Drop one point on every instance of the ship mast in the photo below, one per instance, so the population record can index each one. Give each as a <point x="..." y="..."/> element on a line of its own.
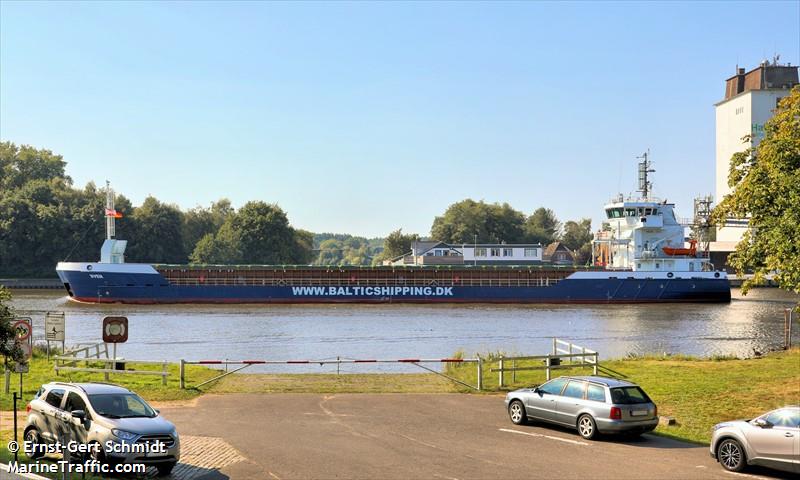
<point x="110" y="214"/>
<point x="645" y="186"/>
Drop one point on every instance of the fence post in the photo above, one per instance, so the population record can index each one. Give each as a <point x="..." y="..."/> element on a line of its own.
<point x="501" y="371"/>
<point x="555" y="347"/>
<point x="480" y="373"/>
<point x="547" y="362"/>
<point x="164" y="371"/>
<point x="583" y="359"/>
<point x="595" y="363"/>
<point x="570" y="354"/>
<point x="513" y="372"/>
<point x="182" y="369"/>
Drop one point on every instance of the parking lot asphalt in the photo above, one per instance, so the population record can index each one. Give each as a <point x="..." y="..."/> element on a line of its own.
<point x="437" y="436"/>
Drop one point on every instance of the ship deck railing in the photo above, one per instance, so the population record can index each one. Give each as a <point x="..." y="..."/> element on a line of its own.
<point x="370" y="282"/>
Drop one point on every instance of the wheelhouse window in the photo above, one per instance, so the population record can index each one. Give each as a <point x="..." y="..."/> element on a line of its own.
<point x="614" y="212"/>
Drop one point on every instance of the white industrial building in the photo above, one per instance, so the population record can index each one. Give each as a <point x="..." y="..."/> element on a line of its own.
<point x="750" y="100"/>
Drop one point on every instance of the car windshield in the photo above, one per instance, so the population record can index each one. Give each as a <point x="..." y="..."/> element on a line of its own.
<point x="121" y="405"/>
<point x="628" y="395"/>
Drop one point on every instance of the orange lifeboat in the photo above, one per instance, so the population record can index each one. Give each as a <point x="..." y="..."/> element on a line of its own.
<point x="691" y="251"/>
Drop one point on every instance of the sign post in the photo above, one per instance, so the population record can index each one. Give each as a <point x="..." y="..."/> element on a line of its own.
<point x="23" y="328"/>
<point x="115" y="330"/>
<point x="54" y="330"/>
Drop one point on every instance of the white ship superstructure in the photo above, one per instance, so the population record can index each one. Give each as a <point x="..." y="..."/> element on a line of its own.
<point x="643" y="234"/>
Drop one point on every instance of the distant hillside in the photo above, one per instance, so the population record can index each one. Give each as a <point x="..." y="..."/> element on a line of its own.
<point x="345" y="249"/>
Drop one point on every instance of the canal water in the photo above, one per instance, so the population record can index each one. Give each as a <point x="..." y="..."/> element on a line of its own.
<point x="749" y="324"/>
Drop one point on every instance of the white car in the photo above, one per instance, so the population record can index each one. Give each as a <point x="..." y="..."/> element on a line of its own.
<point x="771" y="440"/>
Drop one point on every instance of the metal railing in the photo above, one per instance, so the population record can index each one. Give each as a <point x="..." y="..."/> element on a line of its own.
<point x="378" y="282"/>
<point x="69" y="363"/>
<point x="552" y="361"/>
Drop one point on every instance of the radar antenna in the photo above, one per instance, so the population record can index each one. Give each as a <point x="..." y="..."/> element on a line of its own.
<point x="645" y="186"/>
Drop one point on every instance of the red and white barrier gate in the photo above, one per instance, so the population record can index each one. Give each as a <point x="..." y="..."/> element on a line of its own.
<point x="414" y="361"/>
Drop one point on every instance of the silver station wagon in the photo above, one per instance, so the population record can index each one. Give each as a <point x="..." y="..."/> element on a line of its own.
<point x="591" y="405"/>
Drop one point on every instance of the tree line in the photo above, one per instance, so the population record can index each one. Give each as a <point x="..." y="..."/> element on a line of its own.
<point x="45" y="219"/>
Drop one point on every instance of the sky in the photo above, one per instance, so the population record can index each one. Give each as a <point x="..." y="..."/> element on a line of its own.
<point x="367" y="117"/>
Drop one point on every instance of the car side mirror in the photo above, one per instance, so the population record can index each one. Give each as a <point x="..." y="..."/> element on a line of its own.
<point x="81" y="414"/>
<point x="760" y="422"/>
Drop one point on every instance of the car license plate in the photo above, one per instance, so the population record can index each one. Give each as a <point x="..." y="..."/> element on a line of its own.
<point x="638" y="413"/>
<point x="156" y="453"/>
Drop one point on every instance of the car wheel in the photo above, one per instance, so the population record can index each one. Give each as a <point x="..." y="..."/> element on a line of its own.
<point x="730" y="455"/>
<point x="517" y="413"/>
<point x="97" y="453"/>
<point x="165" y="469"/>
<point x="587" y="428"/>
<point x="32" y="438"/>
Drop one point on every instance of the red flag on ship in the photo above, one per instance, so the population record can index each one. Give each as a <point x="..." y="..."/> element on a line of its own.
<point x="113" y="213"/>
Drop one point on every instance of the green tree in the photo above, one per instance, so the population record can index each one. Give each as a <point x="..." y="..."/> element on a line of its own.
<point x="157" y="234"/>
<point x="304" y="246"/>
<point x="19" y="165"/>
<point x="396" y="244"/>
<point x="542" y="226"/>
<point x="218" y="248"/>
<point x="491" y="222"/>
<point x="766" y="189"/>
<point x="259" y="233"/>
<point x="578" y="238"/>
<point x="9" y="349"/>
<point x="199" y="222"/>
<point x="330" y="252"/>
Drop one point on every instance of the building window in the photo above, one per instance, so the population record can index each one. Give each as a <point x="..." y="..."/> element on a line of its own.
<point x="495" y="252"/>
<point x="480" y="252"/>
<point x="508" y="252"/>
<point x="438" y="253"/>
<point x="739" y="110"/>
<point x="530" y="252"/>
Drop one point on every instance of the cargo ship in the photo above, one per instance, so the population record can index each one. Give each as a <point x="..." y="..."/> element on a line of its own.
<point x="640" y="256"/>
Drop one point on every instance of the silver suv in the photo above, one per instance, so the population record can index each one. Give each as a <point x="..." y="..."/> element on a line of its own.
<point x="771" y="440"/>
<point x="109" y="422"/>
<point x="589" y="404"/>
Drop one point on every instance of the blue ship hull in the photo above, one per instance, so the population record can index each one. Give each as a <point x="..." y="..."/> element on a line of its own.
<point x="610" y="287"/>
